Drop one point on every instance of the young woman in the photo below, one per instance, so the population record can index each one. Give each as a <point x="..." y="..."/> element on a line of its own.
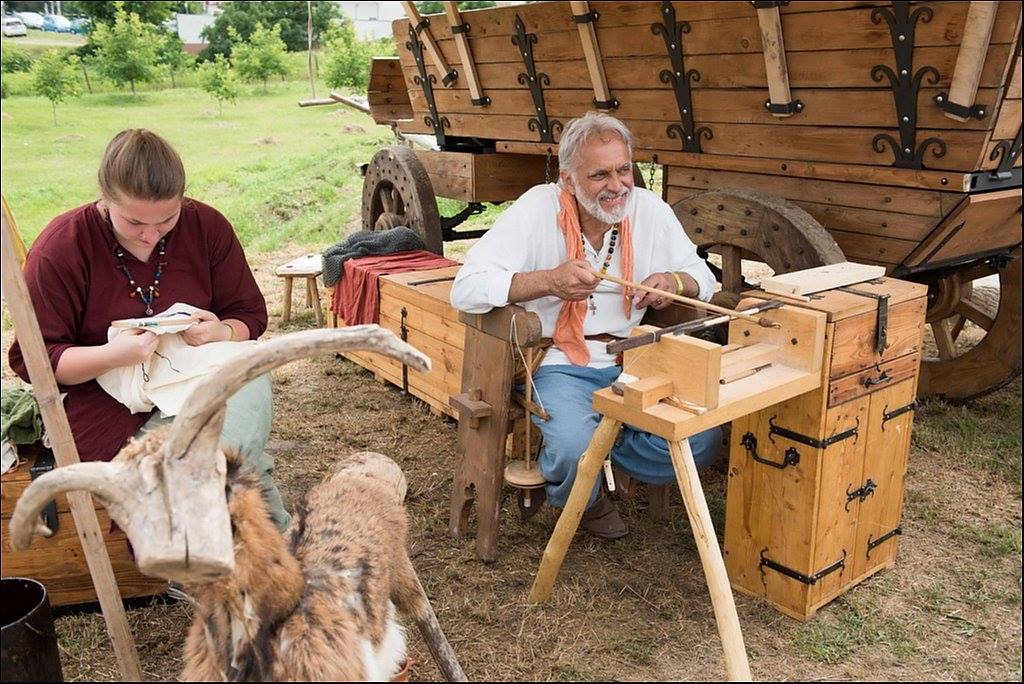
<point x="140" y="248"/>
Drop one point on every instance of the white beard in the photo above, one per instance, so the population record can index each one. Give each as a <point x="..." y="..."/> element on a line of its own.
<point x="592" y="205"/>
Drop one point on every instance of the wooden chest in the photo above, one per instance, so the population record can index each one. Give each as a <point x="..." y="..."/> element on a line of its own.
<point x="815" y="489"/>
<point x="59" y="562"/>
<point x="415" y="306"/>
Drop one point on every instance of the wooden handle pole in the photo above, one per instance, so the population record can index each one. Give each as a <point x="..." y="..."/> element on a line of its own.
<point x="462" y="45"/>
<point x="736" y="666"/>
<point x="774" y="57"/>
<point x="44" y="387"/>
<point x="565" y="529"/>
<point x="448" y="76"/>
<point x="963" y="87"/>
<point x="696" y="303"/>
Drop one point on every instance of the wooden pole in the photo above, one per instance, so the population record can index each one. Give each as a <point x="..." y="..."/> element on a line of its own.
<point x="689" y="301"/>
<point x="736" y="666"/>
<point x="448" y="76"/>
<point x="565" y="529"/>
<point x="774" y="58"/>
<point x="44" y="387"/>
<point x="309" y="43"/>
<point x="592" y="54"/>
<point x="981" y="16"/>
<point x="465" y="56"/>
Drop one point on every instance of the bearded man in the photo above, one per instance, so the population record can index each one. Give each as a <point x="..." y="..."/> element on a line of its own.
<point x="542" y="252"/>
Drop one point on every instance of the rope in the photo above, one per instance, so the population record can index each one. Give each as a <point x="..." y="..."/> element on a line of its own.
<point x="518" y="349"/>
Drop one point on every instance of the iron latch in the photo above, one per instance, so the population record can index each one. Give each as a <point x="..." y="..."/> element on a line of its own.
<point x="862" y="492"/>
<point x="872" y="543"/>
<point x="888" y="415"/>
<point x="790" y="458"/>
<point x="774" y="429"/>
<point x="882" y="323"/>
<point x="44" y="463"/>
<point x="767" y="562"/>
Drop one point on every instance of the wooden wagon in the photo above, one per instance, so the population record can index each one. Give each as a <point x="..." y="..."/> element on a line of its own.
<point x="793" y="134"/>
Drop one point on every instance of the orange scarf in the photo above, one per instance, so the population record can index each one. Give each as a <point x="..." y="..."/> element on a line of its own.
<point x="569" y="326"/>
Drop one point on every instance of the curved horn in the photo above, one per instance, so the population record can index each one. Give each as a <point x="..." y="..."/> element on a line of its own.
<point x="213" y="392"/>
<point x="99" y="478"/>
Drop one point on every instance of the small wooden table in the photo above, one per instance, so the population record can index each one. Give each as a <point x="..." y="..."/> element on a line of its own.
<point x="309" y="267"/>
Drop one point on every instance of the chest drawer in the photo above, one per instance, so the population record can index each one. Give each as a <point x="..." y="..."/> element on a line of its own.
<point x="872" y="379"/>
<point x="854" y="341"/>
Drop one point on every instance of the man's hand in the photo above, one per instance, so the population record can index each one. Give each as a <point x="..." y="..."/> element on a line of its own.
<point x="573" y="280"/>
<point x="132" y="346"/>
<point x="660" y="281"/>
<point x="209" y="329"/>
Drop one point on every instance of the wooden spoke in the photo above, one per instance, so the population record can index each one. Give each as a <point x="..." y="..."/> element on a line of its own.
<point x="958" y="327"/>
<point x="944" y="339"/>
<point x="397" y="191"/>
<point x="387" y="199"/>
<point x="732" y="267"/>
<point x="971" y="312"/>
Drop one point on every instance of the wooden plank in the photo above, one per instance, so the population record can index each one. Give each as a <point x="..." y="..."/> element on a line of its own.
<point x="821" y="278"/>
<point x="739" y="362"/>
<point x="979" y="223"/>
<point x="387" y="93"/>
<point x="433" y="50"/>
<point x="465" y="54"/>
<point x="839" y="305"/>
<point x="823" y="106"/>
<point x="873" y="249"/>
<point x="592" y="53"/>
<point x="859" y="384"/>
<point x="978" y="24"/>
<point x="1008" y="121"/>
<point x="1013" y="88"/>
<point x="886" y="450"/>
<point x="881" y="198"/>
<point x="772" y="42"/>
<point x="693" y="365"/>
<point x="853" y="347"/>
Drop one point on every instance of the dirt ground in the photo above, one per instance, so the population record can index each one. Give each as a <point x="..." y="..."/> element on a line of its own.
<point x="638" y="608"/>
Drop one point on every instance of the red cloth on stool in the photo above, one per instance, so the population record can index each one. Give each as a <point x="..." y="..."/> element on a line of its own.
<point x="356" y="297"/>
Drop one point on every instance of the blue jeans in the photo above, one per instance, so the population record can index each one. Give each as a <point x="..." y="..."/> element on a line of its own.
<point x="566" y="394"/>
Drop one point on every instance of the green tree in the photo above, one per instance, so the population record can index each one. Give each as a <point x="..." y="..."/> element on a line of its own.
<point x="437" y="7"/>
<point x="347" y="58"/>
<point x="218" y="79"/>
<point x="55" y="77"/>
<point x="126" y="51"/>
<point x="243" y="17"/>
<point x="261" y="56"/>
<point x="153" y="12"/>
<point x="171" y="55"/>
<point x="13" y="60"/>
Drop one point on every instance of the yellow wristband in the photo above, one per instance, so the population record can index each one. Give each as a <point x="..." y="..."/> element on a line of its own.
<point x="231" y="332"/>
<point x="679" y="282"/>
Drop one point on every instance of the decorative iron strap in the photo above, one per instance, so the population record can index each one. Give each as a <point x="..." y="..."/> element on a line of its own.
<point x="906" y="84"/>
<point x="888" y="415"/>
<point x="767" y="562"/>
<point x="881" y="316"/>
<point x="427" y="81"/>
<point x="862" y="492"/>
<point x="774" y="429"/>
<point x="790" y="458"/>
<point x="1008" y="152"/>
<point x="680" y="79"/>
<point x="872" y="543"/>
<point x="535" y="82"/>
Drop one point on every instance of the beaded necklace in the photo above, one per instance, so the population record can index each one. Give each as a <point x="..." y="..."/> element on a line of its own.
<point x="607" y="260"/>
<point x="134" y="289"/>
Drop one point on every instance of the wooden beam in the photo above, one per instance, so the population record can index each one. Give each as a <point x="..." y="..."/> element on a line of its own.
<point x="459" y="30"/>
<point x="592" y="54"/>
<point x="780" y="101"/>
<point x="44" y="387"/>
<point x="811" y="280"/>
<point x="422" y="27"/>
<point x="959" y="104"/>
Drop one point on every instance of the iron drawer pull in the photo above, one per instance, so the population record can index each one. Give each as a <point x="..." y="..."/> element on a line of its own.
<point x="880" y="380"/>
<point x="790" y="458"/>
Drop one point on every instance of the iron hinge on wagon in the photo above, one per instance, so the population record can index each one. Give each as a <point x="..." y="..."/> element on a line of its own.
<point x="535" y="82"/>
<point x="774" y="429"/>
<point x="680" y="79"/>
<point x="1008" y="152"/>
<point x="767" y="562"/>
<point x="906" y="85"/>
<point x="427" y="81"/>
<point x="977" y="111"/>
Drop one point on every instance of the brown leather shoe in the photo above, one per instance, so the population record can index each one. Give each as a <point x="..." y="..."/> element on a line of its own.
<point x="603" y="520"/>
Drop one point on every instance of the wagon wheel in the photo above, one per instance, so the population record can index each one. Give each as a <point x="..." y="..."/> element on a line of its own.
<point x="976" y="331"/>
<point x="397" y="192"/>
<point x="745" y="224"/>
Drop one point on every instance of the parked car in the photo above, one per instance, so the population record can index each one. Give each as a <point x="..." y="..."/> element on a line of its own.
<point x="32" y="20"/>
<point x="14" y="27"/>
<point x="55" y="22"/>
<point x="80" y="25"/>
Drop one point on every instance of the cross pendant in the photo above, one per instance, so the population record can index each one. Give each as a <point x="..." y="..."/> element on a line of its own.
<point x="592" y="306"/>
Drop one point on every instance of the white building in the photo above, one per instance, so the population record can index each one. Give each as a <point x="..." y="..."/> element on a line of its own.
<point x="372" y="20"/>
<point x="189" y="28"/>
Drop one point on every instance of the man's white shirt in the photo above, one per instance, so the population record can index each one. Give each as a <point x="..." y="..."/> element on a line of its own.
<point x="526" y="238"/>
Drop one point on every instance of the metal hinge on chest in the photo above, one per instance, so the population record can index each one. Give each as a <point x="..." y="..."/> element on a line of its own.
<point x="774" y="429"/>
<point x="44" y="464"/>
<point x="882" y="323"/>
<point x="767" y="562"/>
<point x="872" y="543"/>
<point x="404" y="330"/>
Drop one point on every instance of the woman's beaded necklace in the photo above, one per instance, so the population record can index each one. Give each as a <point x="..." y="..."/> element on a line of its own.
<point x="607" y="260"/>
<point x="153" y="291"/>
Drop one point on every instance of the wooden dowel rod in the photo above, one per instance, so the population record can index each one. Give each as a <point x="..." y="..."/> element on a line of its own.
<point x="448" y="76"/>
<point x="963" y="87"/>
<point x="462" y="45"/>
<point x="774" y="57"/>
<point x="44" y="387"/>
<point x="696" y="303"/>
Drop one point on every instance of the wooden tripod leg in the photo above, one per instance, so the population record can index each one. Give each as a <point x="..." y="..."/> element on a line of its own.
<point x="736" y="666"/>
<point x="586" y="474"/>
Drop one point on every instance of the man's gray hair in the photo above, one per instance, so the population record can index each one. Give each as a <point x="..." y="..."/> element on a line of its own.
<point x="582" y="129"/>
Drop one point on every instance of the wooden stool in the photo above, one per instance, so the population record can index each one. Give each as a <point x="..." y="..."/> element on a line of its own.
<point x="308" y="267"/>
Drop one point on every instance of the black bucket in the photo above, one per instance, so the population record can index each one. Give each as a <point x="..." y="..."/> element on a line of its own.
<point x="29" y="644"/>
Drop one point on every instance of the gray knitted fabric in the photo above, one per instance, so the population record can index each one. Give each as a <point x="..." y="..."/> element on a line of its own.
<point x="367" y="243"/>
